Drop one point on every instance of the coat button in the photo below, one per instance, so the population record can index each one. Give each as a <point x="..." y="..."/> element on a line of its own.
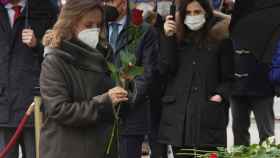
<point x="195" y="89"/>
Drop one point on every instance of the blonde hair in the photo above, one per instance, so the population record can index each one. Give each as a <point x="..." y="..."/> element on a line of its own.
<point x="71" y="13"/>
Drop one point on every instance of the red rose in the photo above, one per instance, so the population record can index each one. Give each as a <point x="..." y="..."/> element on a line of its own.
<point x="136" y="17"/>
<point x="213" y="155"/>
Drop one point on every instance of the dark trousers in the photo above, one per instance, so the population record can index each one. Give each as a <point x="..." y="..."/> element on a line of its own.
<point x="158" y="150"/>
<point x="264" y="115"/>
<point x="131" y="146"/>
<point x="26" y="141"/>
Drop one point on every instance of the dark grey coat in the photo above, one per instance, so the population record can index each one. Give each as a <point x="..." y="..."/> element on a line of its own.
<point x="19" y="65"/>
<point x="78" y="111"/>
<point x="194" y="74"/>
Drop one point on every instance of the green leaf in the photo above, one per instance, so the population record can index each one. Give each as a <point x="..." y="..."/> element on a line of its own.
<point x="135" y="71"/>
<point x="114" y="72"/>
<point x="267" y="150"/>
<point x="127" y="58"/>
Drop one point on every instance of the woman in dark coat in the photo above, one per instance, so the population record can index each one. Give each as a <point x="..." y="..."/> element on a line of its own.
<point x="197" y="63"/>
<point x="77" y="92"/>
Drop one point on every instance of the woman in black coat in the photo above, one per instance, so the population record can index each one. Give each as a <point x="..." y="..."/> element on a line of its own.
<point x="76" y="88"/>
<point x="197" y="63"/>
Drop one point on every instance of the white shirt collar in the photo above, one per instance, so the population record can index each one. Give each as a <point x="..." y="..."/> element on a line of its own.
<point x="10" y="6"/>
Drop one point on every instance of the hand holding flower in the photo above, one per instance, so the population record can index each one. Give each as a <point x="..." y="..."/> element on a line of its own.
<point x="117" y="95"/>
<point x="216" y="98"/>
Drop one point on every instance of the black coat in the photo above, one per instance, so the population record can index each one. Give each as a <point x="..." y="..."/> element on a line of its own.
<point x="78" y="111"/>
<point x="251" y="76"/>
<point x="261" y="13"/>
<point x="19" y="65"/>
<point x="253" y="54"/>
<point x="135" y="116"/>
<point x="195" y="74"/>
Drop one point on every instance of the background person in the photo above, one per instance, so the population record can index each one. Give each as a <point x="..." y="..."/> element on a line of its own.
<point x="198" y="64"/>
<point x="21" y="53"/>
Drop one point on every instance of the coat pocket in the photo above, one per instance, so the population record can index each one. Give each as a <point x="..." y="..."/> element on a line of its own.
<point x="166" y="100"/>
<point x="214" y="115"/>
<point x="168" y="108"/>
<point x="71" y="139"/>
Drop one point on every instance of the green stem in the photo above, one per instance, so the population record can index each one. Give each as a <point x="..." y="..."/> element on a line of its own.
<point x="188" y="154"/>
<point x="195" y="150"/>
<point x="111" y="139"/>
<point x="116" y="125"/>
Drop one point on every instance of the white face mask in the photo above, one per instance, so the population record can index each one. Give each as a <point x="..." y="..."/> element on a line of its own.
<point x="163" y="8"/>
<point x="196" y="22"/>
<point x="63" y="2"/>
<point x="90" y="36"/>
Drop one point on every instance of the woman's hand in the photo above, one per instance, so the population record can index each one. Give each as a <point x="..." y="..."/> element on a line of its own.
<point x="117" y="95"/>
<point x="216" y="98"/>
<point x="169" y="26"/>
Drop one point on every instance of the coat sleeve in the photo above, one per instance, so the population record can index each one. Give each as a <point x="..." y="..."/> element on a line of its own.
<point x="168" y="60"/>
<point x="226" y="66"/>
<point x="59" y="104"/>
<point x="274" y="73"/>
<point x="40" y="31"/>
<point x="168" y="55"/>
<point x="148" y="59"/>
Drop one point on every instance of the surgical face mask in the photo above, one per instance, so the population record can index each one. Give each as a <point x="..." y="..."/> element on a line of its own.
<point x="196" y="22"/>
<point x="163" y="8"/>
<point x="146" y="8"/>
<point x="90" y="37"/>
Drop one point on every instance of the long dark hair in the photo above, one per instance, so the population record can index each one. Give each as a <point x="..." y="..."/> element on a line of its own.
<point x="184" y="33"/>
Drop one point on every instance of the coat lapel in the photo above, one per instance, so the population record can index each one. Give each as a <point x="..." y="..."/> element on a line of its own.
<point x="124" y="39"/>
<point x="12" y="33"/>
<point x="18" y="27"/>
<point x="5" y="25"/>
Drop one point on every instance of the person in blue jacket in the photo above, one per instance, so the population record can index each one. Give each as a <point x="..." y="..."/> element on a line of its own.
<point x="274" y="74"/>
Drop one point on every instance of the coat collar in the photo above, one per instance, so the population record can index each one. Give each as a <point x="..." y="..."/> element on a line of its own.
<point x="80" y="55"/>
<point x="12" y="33"/>
<point x="22" y="3"/>
<point x="4" y="20"/>
<point x="123" y="39"/>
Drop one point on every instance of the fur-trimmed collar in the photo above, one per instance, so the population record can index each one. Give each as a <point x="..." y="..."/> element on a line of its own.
<point x="220" y="30"/>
